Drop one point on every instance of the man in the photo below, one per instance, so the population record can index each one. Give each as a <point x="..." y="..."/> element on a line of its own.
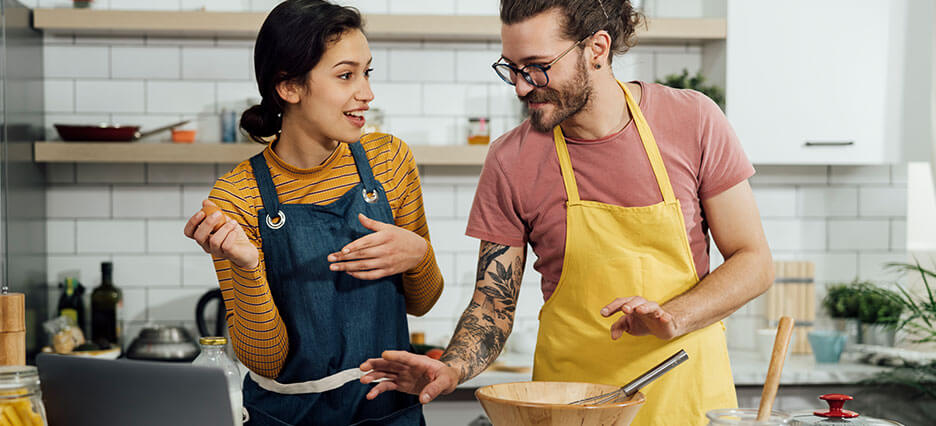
<point x="615" y="187"/>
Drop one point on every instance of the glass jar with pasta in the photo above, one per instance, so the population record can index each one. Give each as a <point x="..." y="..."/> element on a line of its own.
<point x="20" y="397"/>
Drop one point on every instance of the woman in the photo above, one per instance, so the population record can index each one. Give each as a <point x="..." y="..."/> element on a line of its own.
<point x="323" y="247"/>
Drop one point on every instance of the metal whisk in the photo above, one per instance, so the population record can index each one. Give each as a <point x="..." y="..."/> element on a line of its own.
<point x="631" y="388"/>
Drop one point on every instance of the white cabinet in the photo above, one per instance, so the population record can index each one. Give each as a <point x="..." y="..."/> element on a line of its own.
<point x="816" y="82"/>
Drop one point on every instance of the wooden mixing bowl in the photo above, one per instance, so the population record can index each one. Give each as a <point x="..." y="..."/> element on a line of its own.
<point x="546" y="403"/>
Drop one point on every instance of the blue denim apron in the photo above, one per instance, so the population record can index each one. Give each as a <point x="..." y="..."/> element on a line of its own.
<point x="334" y="321"/>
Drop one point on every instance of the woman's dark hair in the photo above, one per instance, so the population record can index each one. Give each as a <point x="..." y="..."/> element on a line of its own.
<point x="291" y="42"/>
<point x="582" y="17"/>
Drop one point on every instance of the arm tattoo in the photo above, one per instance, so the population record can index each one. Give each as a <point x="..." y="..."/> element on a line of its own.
<point x="486" y="323"/>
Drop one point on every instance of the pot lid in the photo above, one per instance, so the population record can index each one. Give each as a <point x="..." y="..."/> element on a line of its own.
<point x="837" y="415"/>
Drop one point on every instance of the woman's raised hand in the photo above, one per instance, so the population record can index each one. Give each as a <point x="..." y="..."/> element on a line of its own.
<point x="222" y="236"/>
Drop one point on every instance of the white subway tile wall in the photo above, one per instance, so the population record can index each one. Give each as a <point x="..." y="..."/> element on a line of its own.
<point x="848" y="220"/>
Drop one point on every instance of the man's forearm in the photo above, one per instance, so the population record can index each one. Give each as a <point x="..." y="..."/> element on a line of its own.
<point x="745" y="275"/>
<point x="488" y="320"/>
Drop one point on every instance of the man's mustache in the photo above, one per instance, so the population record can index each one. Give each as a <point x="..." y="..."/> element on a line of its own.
<point x="541" y="95"/>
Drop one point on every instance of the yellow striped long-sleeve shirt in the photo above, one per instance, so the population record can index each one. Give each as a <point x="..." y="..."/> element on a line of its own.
<point x="258" y="334"/>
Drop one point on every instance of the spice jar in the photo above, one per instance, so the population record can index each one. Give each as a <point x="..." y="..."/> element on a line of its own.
<point x="20" y="397"/>
<point x="479" y="131"/>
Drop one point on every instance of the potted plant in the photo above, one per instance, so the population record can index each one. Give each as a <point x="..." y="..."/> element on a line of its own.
<point x="920" y="321"/>
<point x="697" y="83"/>
<point x="841" y="303"/>
<point x="879" y="313"/>
<point x="864" y="311"/>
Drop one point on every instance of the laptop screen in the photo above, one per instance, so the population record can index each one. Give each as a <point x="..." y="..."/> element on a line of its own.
<point x="85" y="391"/>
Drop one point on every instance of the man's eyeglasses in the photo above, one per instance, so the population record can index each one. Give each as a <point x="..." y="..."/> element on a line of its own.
<point x="535" y="74"/>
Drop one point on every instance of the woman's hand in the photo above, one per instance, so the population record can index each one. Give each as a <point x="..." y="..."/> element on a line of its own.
<point x="227" y="242"/>
<point x="389" y="250"/>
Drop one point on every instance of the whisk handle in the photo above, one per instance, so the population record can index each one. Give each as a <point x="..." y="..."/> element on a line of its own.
<point x="635" y="385"/>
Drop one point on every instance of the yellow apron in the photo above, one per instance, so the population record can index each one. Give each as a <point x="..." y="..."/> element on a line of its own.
<point x="613" y="251"/>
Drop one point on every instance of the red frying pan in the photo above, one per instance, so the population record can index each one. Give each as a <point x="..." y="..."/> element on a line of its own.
<point x="108" y="133"/>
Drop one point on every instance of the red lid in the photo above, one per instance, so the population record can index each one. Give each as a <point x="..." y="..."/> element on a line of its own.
<point x="836" y="401"/>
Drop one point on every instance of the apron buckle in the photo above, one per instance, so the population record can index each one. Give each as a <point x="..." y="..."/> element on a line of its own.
<point x="279" y="224"/>
<point x="370" y="197"/>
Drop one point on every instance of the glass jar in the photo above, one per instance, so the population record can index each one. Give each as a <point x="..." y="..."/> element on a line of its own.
<point x="20" y="397"/>
<point x="212" y="355"/>
<point x="479" y="131"/>
<point x="745" y="417"/>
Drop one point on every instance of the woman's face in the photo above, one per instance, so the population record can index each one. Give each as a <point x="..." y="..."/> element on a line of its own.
<point x="337" y="91"/>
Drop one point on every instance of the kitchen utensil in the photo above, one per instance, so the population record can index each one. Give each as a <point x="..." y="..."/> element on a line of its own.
<point x="163" y="343"/>
<point x="837" y="415"/>
<point x="107" y="132"/>
<point x="827" y="346"/>
<point x="631" y="388"/>
<point x="546" y="403"/>
<point x="784" y="331"/>
<point x="201" y="307"/>
<point x="764" y="341"/>
<point x="12" y="328"/>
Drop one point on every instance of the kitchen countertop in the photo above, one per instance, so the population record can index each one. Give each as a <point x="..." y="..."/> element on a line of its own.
<point x="747" y="368"/>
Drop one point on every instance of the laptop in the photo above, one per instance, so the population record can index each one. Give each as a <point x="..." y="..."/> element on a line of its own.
<point x="80" y="391"/>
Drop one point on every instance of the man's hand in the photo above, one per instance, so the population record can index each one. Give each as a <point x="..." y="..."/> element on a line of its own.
<point x="641" y="317"/>
<point x="410" y="373"/>
<point x="388" y="251"/>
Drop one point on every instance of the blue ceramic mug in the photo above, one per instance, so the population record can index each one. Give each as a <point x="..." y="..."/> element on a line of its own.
<point x="827" y="346"/>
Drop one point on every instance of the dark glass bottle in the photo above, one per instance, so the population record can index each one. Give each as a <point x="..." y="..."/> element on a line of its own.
<point x="106" y="307"/>
<point x="71" y="302"/>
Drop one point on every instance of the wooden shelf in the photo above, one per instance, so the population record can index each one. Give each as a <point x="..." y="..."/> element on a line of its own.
<point x="207" y="153"/>
<point x="379" y="27"/>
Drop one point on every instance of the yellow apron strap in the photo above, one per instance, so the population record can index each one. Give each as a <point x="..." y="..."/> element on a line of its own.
<point x="649" y="143"/>
<point x="565" y="164"/>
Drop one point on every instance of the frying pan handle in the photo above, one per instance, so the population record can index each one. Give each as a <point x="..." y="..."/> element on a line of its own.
<point x="139" y="135"/>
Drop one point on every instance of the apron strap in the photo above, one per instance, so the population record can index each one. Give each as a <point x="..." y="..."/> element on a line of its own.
<point x="363" y="166"/>
<point x="265" y="184"/>
<point x="322" y="385"/>
<point x="650" y="145"/>
<point x="646" y="137"/>
<point x="565" y="165"/>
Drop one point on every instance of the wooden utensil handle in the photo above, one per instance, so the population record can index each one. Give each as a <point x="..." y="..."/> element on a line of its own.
<point x="781" y="343"/>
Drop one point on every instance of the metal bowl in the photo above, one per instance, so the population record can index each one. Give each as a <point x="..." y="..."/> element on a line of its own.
<point x="163" y="343"/>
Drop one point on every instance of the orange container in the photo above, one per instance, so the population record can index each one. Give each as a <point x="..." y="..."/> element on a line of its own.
<point x="183" y="136"/>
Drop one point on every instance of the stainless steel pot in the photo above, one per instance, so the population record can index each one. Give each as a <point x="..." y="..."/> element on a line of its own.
<point x="163" y="343"/>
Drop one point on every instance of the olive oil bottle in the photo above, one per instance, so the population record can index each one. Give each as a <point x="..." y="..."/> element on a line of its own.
<point x="106" y="309"/>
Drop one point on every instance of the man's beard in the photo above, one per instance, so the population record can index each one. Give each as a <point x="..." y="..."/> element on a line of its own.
<point x="567" y="99"/>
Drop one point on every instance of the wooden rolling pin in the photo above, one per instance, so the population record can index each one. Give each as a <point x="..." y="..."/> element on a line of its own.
<point x="12" y="329"/>
<point x="784" y="330"/>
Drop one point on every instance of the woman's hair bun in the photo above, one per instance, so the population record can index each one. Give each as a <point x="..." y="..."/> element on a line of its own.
<point x="260" y="121"/>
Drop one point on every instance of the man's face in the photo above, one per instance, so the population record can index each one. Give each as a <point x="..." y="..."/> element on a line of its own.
<point x="538" y="40"/>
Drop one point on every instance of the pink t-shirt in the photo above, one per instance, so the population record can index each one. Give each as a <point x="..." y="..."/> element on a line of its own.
<point x="521" y="197"/>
